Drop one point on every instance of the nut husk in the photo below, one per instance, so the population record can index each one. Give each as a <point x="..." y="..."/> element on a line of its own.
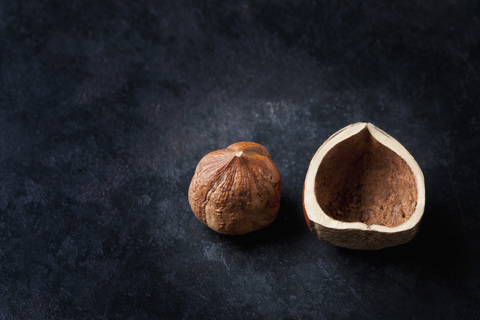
<point x="236" y="190"/>
<point x="363" y="190"/>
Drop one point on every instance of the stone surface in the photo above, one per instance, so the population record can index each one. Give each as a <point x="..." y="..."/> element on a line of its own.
<point x="106" y="107"/>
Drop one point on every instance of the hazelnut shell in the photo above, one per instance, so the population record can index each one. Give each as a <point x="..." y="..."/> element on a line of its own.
<point x="363" y="190"/>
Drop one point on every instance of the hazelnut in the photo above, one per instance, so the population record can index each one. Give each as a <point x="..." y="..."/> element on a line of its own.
<point x="363" y="190"/>
<point x="236" y="190"/>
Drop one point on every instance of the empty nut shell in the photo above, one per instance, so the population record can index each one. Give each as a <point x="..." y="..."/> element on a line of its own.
<point x="363" y="190"/>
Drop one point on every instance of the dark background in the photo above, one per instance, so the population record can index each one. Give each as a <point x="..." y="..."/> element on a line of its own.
<point x="106" y="107"/>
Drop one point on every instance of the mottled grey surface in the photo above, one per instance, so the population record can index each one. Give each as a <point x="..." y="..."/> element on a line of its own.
<point x="106" y="107"/>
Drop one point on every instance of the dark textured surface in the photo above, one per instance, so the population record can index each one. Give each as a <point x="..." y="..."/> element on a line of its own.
<point x="105" y="110"/>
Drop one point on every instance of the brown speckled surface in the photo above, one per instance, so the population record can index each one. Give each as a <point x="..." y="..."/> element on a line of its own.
<point x="361" y="180"/>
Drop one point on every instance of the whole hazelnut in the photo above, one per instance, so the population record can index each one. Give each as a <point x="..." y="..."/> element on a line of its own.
<point x="236" y="190"/>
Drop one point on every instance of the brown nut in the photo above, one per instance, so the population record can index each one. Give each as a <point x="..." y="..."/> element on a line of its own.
<point x="363" y="190"/>
<point x="236" y="190"/>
